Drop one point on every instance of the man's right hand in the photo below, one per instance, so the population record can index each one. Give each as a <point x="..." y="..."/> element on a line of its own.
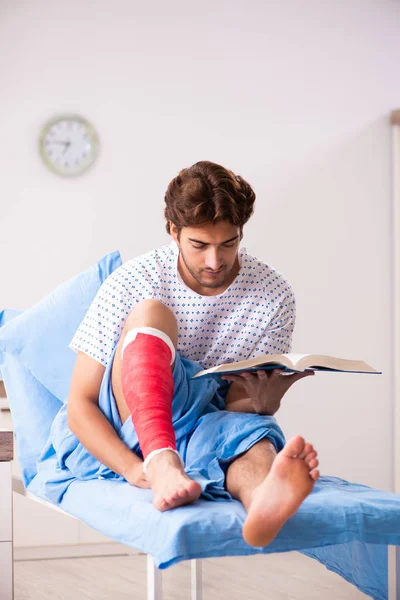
<point x="262" y="390"/>
<point x="136" y="477"/>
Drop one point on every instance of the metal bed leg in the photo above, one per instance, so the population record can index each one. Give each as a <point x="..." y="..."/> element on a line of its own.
<point x="154" y="580"/>
<point x="394" y="572"/>
<point x="6" y="533"/>
<point x="6" y="517"/>
<point x="196" y="580"/>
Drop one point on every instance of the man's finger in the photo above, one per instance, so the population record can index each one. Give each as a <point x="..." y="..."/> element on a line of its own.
<point x="248" y="376"/>
<point x="230" y="377"/>
<point x="262" y="374"/>
<point x="298" y="376"/>
<point x="277" y="372"/>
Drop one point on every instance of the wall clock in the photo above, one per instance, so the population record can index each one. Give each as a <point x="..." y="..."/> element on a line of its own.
<point x="68" y="145"/>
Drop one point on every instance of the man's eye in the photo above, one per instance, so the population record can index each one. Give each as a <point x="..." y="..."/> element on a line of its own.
<point x="198" y="246"/>
<point x="229" y="245"/>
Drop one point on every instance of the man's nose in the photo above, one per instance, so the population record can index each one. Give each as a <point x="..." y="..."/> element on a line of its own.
<point x="213" y="260"/>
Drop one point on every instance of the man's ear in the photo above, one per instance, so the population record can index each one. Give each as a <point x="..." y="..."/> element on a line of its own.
<point x="174" y="231"/>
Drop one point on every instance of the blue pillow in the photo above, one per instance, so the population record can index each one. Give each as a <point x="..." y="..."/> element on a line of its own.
<point x="33" y="410"/>
<point x="39" y="336"/>
<point x="6" y="315"/>
<point x="36" y="362"/>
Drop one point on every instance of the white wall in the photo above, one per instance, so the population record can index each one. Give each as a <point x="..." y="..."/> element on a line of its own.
<point x="295" y="96"/>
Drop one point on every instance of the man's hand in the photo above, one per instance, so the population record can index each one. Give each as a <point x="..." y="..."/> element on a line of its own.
<point x="136" y="477"/>
<point x="264" y="389"/>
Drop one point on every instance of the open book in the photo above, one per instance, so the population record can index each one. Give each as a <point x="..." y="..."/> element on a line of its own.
<point x="291" y="363"/>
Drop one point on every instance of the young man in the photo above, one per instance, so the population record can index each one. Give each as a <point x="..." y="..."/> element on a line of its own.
<point x="157" y="320"/>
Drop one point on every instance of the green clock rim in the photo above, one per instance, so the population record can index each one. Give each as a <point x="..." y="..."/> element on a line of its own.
<point x="94" y="139"/>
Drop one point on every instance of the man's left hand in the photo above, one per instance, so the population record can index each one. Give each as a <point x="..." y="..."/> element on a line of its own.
<point x="266" y="388"/>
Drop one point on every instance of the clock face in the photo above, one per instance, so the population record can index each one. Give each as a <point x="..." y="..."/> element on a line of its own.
<point x="68" y="145"/>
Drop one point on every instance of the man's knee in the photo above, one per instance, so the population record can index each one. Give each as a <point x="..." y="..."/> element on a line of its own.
<point x="152" y="313"/>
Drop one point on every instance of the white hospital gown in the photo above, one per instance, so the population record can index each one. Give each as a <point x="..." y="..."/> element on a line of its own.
<point x="254" y="316"/>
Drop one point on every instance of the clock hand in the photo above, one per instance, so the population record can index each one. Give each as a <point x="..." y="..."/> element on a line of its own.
<point x="67" y="144"/>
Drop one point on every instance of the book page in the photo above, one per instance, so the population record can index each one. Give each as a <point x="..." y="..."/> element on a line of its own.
<point x="294" y="361"/>
<point x="295" y="358"/>
<point x="334" y="363"/>
<point x="250" y="363"/>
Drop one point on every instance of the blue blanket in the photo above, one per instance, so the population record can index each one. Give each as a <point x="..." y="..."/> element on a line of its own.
<point x="208" y="437"/>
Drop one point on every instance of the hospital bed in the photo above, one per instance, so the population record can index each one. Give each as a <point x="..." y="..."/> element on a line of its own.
<point x="10" y="484"/>
<point x="352" y="529"/>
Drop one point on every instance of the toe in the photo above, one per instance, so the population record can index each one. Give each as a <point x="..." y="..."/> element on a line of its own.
<point x="162" y="504"/>
<point x="182" y="493"/>
<point x="170" y="499"/>
<point x="294" y="447"/>
<point x="313" y="463"/>
<point x="310" y="456"/>
<point x="314" y="474"/>
<point x="307" y="449"/>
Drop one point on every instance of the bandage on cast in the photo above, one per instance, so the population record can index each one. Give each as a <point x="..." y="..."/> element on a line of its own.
<point x="148" y="387"/>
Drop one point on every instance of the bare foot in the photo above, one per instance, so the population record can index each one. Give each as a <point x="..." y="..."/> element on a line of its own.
<point x="169" y="482"/>
<point x="290" y="480"/>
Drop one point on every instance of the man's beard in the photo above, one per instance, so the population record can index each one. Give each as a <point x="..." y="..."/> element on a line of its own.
<point x="207" y="284"/>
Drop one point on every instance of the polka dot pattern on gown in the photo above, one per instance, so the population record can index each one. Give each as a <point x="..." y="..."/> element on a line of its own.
<point x="255" y="315"/>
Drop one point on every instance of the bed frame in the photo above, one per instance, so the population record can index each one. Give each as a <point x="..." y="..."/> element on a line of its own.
<point x="10" y="484"/>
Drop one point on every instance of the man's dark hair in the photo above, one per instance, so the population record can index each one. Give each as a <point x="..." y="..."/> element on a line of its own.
<point x="206" y="193"/>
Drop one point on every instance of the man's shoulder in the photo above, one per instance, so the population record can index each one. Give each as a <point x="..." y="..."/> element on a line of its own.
<point x="266" y="280"/>
<point x="148" y="266"/>
<point x="156" y="258"/>
<point x="259" y="268"/>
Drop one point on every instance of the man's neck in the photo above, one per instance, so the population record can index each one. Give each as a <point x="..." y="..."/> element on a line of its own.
<point x="194" y="285"/>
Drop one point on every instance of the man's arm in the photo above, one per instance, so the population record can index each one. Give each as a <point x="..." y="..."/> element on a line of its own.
<point x="259" y="393"/>
<point x="237" y="399"/>
<point x="91" y="427"/>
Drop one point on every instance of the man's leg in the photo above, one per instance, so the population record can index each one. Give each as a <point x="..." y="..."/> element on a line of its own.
<point x="140" y="379"/>
<point x="272" y="486"/>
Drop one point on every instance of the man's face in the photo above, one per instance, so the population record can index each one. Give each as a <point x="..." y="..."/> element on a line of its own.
<point x="208" y="255"/>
